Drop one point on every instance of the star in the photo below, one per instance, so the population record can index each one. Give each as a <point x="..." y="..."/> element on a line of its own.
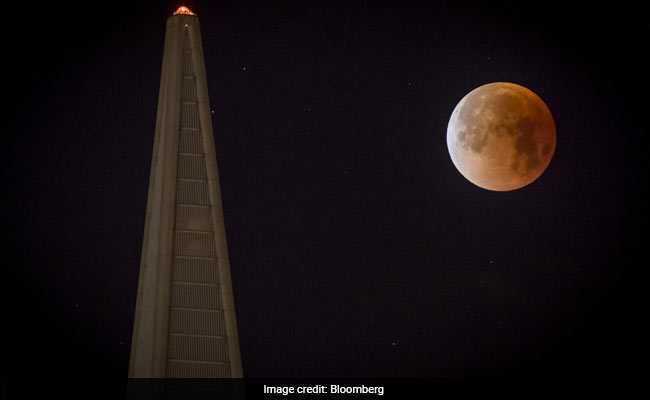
<point x="243" y="68"/>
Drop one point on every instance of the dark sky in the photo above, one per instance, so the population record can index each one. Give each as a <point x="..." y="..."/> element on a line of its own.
<point x="356" y="247"/>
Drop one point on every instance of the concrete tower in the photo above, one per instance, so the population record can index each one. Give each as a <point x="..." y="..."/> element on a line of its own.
<point x="185" y="323"/>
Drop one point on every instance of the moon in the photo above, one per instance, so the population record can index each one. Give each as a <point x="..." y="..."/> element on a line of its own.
<point x="501" y="136"/>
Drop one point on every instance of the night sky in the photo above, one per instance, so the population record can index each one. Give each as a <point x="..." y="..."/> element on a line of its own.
<point x="357" y="249"/>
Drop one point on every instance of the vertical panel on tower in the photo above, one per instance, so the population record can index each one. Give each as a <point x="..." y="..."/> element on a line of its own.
<point x="197" y="341"/>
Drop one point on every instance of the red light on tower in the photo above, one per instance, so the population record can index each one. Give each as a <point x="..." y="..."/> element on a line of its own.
<point x="182" y="10"/>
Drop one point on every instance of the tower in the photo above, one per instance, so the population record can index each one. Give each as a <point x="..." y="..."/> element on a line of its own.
<point x="185" y="323"/>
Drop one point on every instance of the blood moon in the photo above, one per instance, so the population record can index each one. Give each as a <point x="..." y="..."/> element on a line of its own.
<point x="501" y="136"/>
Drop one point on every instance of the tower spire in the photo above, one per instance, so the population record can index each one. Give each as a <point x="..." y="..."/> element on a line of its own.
<point x="185" y="324"/>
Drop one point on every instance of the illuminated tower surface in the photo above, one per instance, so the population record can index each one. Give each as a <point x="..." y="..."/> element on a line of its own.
<point x="185" y="323"/>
